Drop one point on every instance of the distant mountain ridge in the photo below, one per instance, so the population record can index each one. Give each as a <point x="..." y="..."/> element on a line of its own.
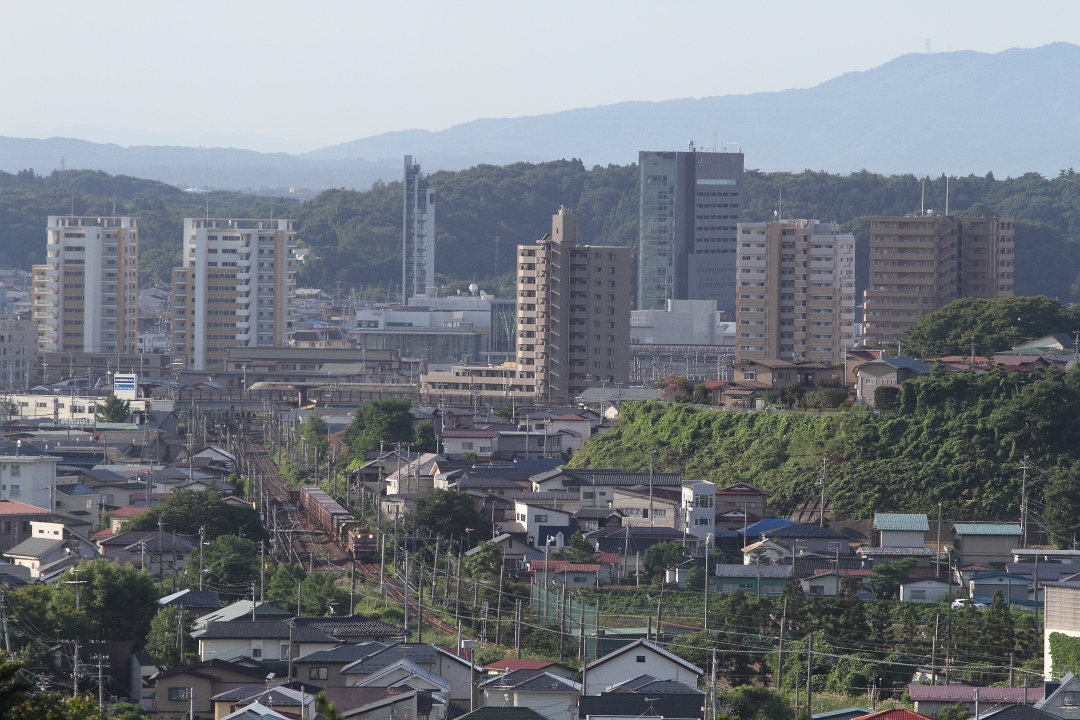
<point x="958" y="113"/>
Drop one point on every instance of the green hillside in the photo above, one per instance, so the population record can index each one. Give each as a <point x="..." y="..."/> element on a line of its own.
<point x="956" y="439"/>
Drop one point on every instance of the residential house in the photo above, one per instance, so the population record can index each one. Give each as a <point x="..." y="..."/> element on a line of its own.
<point x="985" y="543"/>
<point x="158" y="551"/>
<point x="567" y="574"/>
<point x="869" y="376"/>
<point x="15" y="520"/>
<point x="77" y="500"/>
<point x="925" y="590"/>
<point x="752" y="579"/>
<point x="640" y="657"/>
<point x="323" y="667"/>
<point x="260" y="640"/>
<point x="1016" y="712"/>
<point x="893" y="714"/>
<point x="292" y="703"/>
<point x="433" y="660"/>
<point x="775" y="374"/>
<point x="753" y="531"/>
<point x="395" y="702"/>
<point x="642" y="506"/>
<point x="1013" y="588"/>
<point x="765" y="552"/>
<point x="802" y="537"/>
<point x="505" y="713"/>
<point x="595" y="486"/>
<point x="413" y="479"/>
<point x="742" y="496"/>
<point x="174" y="689"/>
<point x="353" y="629"/>
<point x="932" y="699"/>
<point x="843" y="714"/>
<point x="643" y="695"/>
<point x="594" y="518"/>
<point x="923" y="556"/>
<point x="479" y="442"/>
<point x="141" y="668"/>
<point x="121" y="515"/>
<point x="508" y="665"/>
<point x="1062" y="698"/>
<point x="242" y="611"/>
<point x="533" y="688"/>
<point x="514" y="549"/>
<point x="535" y="522"/>
<point x="830" y="583"/>
<point x="199" y="602"/>
<point x="632" y="541"/>
<point x="902" y="530"/>
<point x="1064" y="557"/>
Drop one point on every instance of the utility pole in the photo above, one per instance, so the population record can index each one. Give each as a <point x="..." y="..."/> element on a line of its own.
<point x="713" y="694"/>
<point x="809" y="673"/>
<point x="780" y="661"/>
<point x="1024" y="505"/>
<point x="824" y="477"/>
<point x="937" y="555"/>
<point x="933" y="651"/>
<point x="100" y="684"/>
<point x="202" y="544"/>
<point x="4" y="620"/>
<point x="517" y="627"/>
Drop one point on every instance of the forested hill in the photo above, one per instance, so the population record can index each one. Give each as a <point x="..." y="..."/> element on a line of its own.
<point x="956" y="438"/>
<point x="357" y="235"/>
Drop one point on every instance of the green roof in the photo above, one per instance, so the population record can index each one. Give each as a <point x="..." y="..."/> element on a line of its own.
<point x="914" y="522"/>
<point x="503" y="713"/>
<point x="987" y="529"/>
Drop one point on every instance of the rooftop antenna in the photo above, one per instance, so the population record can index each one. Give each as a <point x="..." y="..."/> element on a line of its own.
<point x="922" y="203"/>
<point x="207" y="204"/>
<point x="72" y="203"/>
<point x="946" y="194"/>
<point x="780" y="210"/>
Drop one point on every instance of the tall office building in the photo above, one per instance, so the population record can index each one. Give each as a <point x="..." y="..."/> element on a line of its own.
<point x="234" y="290"/>
<point x="573" y="326"/>
<point x="690" y="205"/>
<point x="796" y="294"/>
<point x="921" y="264"/>
<point x="418" y="235"/>
<point x="85" y="295"/>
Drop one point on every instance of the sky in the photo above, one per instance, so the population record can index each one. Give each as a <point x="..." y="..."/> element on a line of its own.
<point x="295" y="76"/>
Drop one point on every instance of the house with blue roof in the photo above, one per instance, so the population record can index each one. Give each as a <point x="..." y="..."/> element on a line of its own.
<point x="1014" y="588"/>
<point x="754" y="532"/>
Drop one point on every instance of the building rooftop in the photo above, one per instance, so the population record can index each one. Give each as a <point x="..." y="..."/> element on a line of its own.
<point x="987" y="529"/>
<point x="909" y="522"/>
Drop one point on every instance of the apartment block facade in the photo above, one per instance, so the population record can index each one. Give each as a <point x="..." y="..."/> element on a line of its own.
<point x="920" y="264"/>
<point x="796" y="293"/>
<point x="18" y="353"/>
<point x="234" y="290"/>
<point x="573" y="327"/>
<point x="690" y="205"/>
<point x="418" y="235"/>
<point x="85" y="294"/>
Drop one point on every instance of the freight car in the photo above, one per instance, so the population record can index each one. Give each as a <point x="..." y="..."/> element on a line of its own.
<point x="326" y="513"/>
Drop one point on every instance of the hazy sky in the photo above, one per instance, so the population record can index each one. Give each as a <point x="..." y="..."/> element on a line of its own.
<point x="273" y="75"/>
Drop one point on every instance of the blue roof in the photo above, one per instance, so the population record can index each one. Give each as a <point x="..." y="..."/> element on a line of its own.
<point x="766" y="525"/>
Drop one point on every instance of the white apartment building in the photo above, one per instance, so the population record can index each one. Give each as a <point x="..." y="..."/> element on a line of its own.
<point x="29" y="479"/>
<point x="18" y="353"/>
<point x="796" y="291"/>
<point x="85" y="295"/>
<point x="234" y="290"/>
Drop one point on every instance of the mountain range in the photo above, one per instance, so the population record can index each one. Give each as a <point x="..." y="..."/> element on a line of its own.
<point x="954" y="113"/>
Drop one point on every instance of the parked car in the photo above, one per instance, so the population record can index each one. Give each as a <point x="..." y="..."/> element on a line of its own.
<point x="961" y="603"/>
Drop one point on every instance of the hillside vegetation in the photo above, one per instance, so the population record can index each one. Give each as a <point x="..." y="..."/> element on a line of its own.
<point x="955" y="438"/>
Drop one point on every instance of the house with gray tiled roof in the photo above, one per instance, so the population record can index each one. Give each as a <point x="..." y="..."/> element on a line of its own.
<point x="640" y="657"/>
<point x="353" y="628"/>
<point x="869" y="376"/>
<point x="260" y="640"/>
<point x="323" y="667"/>
<point x="535" y="688"/>
<point x="457" y="671"/>
<point x="804" y="538"/>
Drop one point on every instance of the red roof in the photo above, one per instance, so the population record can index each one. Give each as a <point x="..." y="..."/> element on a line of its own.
<point x="12" y="507"/>
<point x="609" y="557"/>
<point x="850" y="572"/>
<point x="894" y="714"/>
<point x="563" y="566"/>
<point x="127" y="512"/>
<point x="569" y="416"/>
<point x="512" y="664"/>
<point x="102" y="534"/>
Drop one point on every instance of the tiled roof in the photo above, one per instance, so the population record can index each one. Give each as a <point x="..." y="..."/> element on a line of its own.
<point x="261" y="629"/>
<point x="512" y="664"/>
<point x="531" y="679"/>
<point x="470" y="433"/>
<point x="966" y="693"/>
<point x="645" y="644"/>
<point x="894" y="714"/>
<point x="503" y="713"/>
<point x="419" y="653"/>
<point x="11" y="507"/>
<point x="343" y="653"/>
<point x="897" y="551"/>
<point x="652" y="686"/>
<point x="351" y="626"/>
<point x="987" y="529"/>
<point x="563" y="566"/>
<point x="619" y="477"/>
<point x="752" y="571"/>
<point x="34" y="548"/>
<point x="803" y="530"/>
<point x="911" y="522"/>
<point x="127" y="512"/>
<point x="570" y="417"/>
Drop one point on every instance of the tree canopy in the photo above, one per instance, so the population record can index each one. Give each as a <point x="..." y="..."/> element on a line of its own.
<point x="992" y="325"/>
<point x="385" y="421"/>
<point x="185" y="511"/>
<point x="450" y="514"/>
<point x="113" y="410"/>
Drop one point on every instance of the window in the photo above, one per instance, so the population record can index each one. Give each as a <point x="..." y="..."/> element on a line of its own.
<point x="179" y="693"/>
<point x="317" y="673"/>
<point x="639" y="658"/>
<point x="466" y="446"/>
<point x="15" y="470"/>
<point x="579" y="579"/>
<point x="540" y="518"/>
<point x="1070" y="699"/>
<point x="918" y="594"/>
<point x="16" y="491"/>
<point x="817" y="589"/>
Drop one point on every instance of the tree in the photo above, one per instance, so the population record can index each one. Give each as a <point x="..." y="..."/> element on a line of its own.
<point x="577" y="549"/>
<point x="886" y="577"/>
<point x="661" y="556"/>
<point x="886" y="397"/>
<point x="424" y="439"/>
<point x="316" y="440"/>
<point x="992" y="324"/>
<point x="185" y="511"/>
<point x="958" y="711"/>
<point x="486" y="563"/>
<point x="163" y="639"/>
<point x="1061" y="513"/>
<point x="231" y="567"/>
<point x="450" y="514"/>
<point x="379" y="421"/>
<point x="283" y="585"/>
<point x="113" y="410"/>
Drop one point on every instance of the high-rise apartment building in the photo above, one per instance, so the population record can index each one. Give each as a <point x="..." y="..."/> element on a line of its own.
<point x="85" y="295"/>
<point x="796" y="294"/>
<point x="234" y="290"/>
<point x="690" y="205"/>
<point x="418" y="235"/>
<point x="573" y="326"/>
<point x="18" y="353"/>
<point x="920" y="264"/>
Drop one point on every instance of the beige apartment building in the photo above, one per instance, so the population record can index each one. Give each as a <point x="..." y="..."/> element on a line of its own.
<point x="18" y="353"/>
<point x="85" y="295"/>
<point x="234" y="290"/>
<point x="573" y="323"/>
<point x="796" y="291"/>
<point x="920" y="264"/>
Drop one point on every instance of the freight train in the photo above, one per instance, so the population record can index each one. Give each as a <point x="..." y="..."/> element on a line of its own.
<point x="328" y="515"/>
